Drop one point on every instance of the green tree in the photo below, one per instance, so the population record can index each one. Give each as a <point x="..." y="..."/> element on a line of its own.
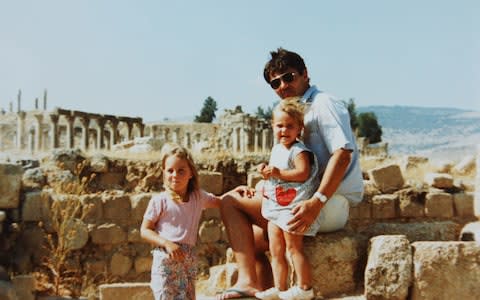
<point x="353" y="113"/>
<point x="207" y="114"/>
<point x="368" y="127"/>
<point x="265" y="113"/>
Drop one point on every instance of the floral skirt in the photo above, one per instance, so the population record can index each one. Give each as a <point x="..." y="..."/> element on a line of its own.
<point x="173" y="279"/>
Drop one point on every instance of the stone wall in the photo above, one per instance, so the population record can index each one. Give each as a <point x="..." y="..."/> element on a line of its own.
<point x="110" y="196"/>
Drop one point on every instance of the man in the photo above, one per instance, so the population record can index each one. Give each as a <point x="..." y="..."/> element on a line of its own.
<point x="328" y="134"/>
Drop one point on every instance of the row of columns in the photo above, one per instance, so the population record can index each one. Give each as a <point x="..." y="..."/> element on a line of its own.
<point x="70" y="117"/>
<point x="242" y="140"/>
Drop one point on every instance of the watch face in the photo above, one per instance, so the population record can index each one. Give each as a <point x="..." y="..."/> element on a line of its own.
<point x="321" y="197"/>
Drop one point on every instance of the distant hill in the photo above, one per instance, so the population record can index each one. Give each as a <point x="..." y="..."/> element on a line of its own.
<point x="437" y="132"/>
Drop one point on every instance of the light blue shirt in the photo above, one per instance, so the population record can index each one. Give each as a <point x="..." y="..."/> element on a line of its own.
<point x="327" y="128"/>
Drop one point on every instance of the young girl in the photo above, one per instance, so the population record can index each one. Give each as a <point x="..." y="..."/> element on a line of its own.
<point x="171" y="224"/>
<point x="291" y="176"/>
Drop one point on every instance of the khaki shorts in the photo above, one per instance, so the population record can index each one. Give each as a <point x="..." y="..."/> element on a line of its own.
<point x="333" y="216"/>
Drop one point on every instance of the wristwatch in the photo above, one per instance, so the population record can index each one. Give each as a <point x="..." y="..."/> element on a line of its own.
<point x="320" y="197"/>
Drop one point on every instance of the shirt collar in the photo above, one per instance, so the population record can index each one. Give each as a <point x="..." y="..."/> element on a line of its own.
<point x="310" y="94"/>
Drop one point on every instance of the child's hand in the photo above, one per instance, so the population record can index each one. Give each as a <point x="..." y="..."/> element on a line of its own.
<point x="174" y="251"/>
<point x="245" y="191"/>
<point x="270" y="171"/>
<point x="260" y="167"/>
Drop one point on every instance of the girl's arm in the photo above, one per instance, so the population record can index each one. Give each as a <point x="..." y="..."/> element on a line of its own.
<point x="299" y="173"/>
<point x="148" y="233"/>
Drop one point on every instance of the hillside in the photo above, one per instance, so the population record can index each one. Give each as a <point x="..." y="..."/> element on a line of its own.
<point x="437" y="132"/>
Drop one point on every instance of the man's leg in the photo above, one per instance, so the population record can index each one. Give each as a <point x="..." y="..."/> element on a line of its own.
<point x="247" y="233"/>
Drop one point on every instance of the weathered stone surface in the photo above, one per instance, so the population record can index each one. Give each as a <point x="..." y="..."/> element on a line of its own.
<point x="334" y="261"/>
<point x="139" y="203"/>
<point x="439" y="180"/>
<point x="75" y="234"/>
<point x="384" y="206"/>
<point x="446" y="270"/>
<point x="33" y="178"/>
<point x="410" y="203"/>
<point x="7" y="291"/>
<point x="116" y="207"/>
<point x="36" y="206"/>
<point x="120" y="264"/>
<point x="221" y="278"/>
<point x="108" y="234"/>
<point x="211" y="182"/>
<point x="425" y="231"/>
<point x="389" y="268"/>
<point x="67" y="159"/>
<point x="387" y="178"/>
<point x="467" y="164"/>
<point x="10" y="184"/>
<point x="99" y="163"/>
<point x="125" y="291"/>
<point x="134" y="235"/>
<point x="24" y="286"/>
<point x="361" y="211"/>
<point x="92" y="208"/>
<point x="463" y="203"/>
<point x="143" y="264"/>
<point x="414" y="161"/>
<point x="439" y="205"/>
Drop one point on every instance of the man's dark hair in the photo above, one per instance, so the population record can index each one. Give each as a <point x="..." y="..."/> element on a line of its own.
<point x="282" y="60"/>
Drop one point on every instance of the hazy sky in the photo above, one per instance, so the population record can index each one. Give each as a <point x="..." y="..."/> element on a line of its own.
<point x="162" y="59"/>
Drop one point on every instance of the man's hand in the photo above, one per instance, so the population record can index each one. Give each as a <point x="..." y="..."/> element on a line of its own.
<point x="304" y="214"/>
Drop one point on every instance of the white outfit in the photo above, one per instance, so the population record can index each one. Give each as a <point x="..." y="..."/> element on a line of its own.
<point x="279" y="197"/>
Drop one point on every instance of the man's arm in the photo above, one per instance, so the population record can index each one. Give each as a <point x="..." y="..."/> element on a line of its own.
<point x="307" y="211"/>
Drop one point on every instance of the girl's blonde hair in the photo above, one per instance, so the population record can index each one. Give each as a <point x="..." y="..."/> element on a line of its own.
<point x="170" y="149"/>
<point x="292" y="107"/>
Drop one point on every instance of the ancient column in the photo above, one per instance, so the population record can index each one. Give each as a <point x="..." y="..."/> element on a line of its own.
<point x="38" y="132"/>
<point x="100" y="131"/>
<point x="175" y="134"/>
<point x="21" y="130"/>
<point x="113" y="132"/>
<point x="85" y="121"/>
<point x="19" y="101"/>
<point x="70" y="131"/>
<point x="45" y="100"/>
<point x="235" y="139"/>
<point x="264" y="140"/>
<point x="54" y="126"/>
<point x="187" y="140"/>
<point x="141" y="128"/>
<point x="256" y="140"/>
<point x="153" y="129"/>
<point x="165" y="134"/>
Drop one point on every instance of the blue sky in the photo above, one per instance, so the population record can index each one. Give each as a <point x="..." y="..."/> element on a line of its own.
<point x="162" y="59"/>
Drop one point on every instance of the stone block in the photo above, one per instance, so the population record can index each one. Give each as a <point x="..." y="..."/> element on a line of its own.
<point x="361" y="211"/>
<point x="387" y="178"/>
<point x="389" y="268"/>
<point x="139" y="203"/>
<point x="10" y="185"/>
<point x="7" y="291"/>
<point x="211" y="182"/>
<point x="384" y="206"/>
<point x="463" y="203"/>
<point x="465" y="165"/>
<point x="439" y="180"/>
<point x="108" y="234"/>
<point x="125" y="291"/>
<point x="116" y="207"/>
<point x="120" y="264"/>
<point x="471" y="232"/>
<point x="210" y="231"/>
<point x="410" y="203"/>
<point x="334" y="261"/>
<point x="143" y="264"/>
<point x="36" y="207"/>
<point x="439" y="205"/>
<point x="424" y="231"/>
<point x="134" y="235"/>
<point x="92" y="208"/>
<point x="24" y="286"/>
<point x="446" y="270"/>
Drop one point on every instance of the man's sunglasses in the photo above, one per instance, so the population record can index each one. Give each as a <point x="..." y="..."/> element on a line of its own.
<point x="287" y="78"/>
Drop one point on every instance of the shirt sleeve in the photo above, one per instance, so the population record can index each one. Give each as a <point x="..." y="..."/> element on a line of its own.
<point x="334" y="124"/>
<point x="208" y="200"/>
<point x="155" y="208"/>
